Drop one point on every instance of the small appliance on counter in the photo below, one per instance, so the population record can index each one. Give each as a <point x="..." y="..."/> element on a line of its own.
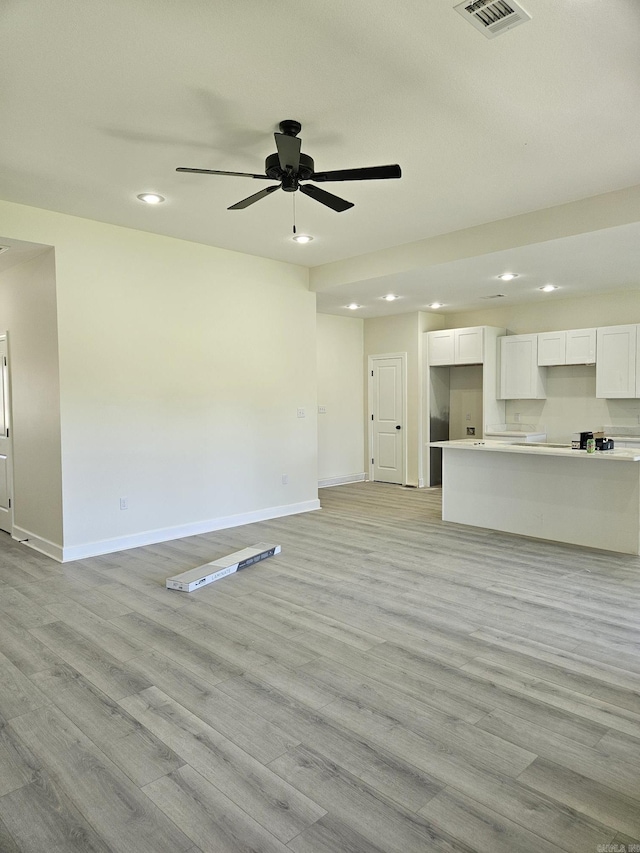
<point x="580" y="441"/>
<point x="515" y="432"/>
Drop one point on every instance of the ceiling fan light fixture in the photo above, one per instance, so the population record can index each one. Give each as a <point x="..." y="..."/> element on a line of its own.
<point x="302" y="238"/>
<point x="151" y="198"/>
<point x="508" y="276"/>
<point x="548" y="288"/>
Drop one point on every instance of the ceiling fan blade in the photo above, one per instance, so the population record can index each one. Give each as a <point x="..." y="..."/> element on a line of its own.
<point x="332" y="201"/>
<point x="368" y="173"/>
<point x="288" y="151"/>
<point x="216" y="172"/>
<point x="252" y="199"/>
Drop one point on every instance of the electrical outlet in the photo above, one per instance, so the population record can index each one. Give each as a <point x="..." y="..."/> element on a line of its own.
<point x="468" y="418"/>
<point x="124" y="503"/>
<point x="301" y="413"/>
<point x="516" y="417"/>
<point x="285" y="479"/>
<point x="322" y="410"/>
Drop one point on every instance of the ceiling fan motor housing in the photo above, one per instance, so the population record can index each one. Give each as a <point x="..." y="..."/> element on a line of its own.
<point x="273" y="170"/>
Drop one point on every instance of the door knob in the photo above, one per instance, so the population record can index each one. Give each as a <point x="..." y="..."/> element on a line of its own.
<point x="398" y="427"/>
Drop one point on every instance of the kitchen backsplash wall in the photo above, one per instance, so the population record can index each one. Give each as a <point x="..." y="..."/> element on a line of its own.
<point x="571" y="405"/>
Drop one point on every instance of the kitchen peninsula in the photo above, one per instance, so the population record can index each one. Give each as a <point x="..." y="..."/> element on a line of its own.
<point x="545" y="491"/>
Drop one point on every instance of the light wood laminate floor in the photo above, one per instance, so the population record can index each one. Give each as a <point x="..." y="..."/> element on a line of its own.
<point x="387" y="684"/>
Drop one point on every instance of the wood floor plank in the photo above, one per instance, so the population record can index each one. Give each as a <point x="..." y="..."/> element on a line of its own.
<point x="121" y="815"/>
<point x="622" y="775"/>
<point x="115" y="678"/>
<point x="350" y="800"/>
<point x="248" y="730"/>
<point x="131" y="746"/>
<point x="24" y="650"/>
<point x="7" y="841"/>
<point x="585" y="795"/>
<point x="275" y="805"/>
<point x="180" y="648"/>
<point x="579" y="705"/>
<point x="331" y="835"/>
<point x="40" y="816"/>
<point x="17" y="693"/>
<point x="115" y="642"/>
<point x="17" y="766"/>
<point x="208" y="817"/>
<point x="487" y="831"/>
<point x="394" y="778"/>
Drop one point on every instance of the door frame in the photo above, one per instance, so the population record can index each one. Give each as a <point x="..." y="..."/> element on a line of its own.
<point x="403" y="384"/>
<point x="4" y="336"/>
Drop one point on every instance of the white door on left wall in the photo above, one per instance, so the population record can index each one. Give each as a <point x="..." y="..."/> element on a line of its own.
<point x="6" y="467"/>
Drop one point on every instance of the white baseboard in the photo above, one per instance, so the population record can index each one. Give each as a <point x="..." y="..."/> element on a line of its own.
<point x="341" y="481"/>
<point x="166" y="534"/>
<point x="44" y="546"/>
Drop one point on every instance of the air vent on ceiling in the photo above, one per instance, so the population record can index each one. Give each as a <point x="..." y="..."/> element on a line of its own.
<point x="4" y="249"/>
<point x="494" y="296"/>
<point x="493" y="17"/>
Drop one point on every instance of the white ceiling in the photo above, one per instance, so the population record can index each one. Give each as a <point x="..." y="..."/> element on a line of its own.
<point x="102" y="101"/>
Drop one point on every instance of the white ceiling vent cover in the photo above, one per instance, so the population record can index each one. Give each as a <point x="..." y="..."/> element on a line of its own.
<point x="493" y="17"/>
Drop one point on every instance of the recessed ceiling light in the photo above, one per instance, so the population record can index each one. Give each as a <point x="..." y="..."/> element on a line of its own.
<point x="151" y="198"/>
<point x="353" y="306"/>
<point x="435" y="305"/>
<point x="390" y="297"/>
<point x="548" y="288"/>
<point x="507" y="276"/>
<point x="302" y="238"/>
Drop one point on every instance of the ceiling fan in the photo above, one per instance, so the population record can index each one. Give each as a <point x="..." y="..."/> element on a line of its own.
<point x="290" y="166"/>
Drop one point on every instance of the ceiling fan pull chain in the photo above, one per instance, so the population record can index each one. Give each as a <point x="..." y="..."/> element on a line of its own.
<point x="293" y="198"/>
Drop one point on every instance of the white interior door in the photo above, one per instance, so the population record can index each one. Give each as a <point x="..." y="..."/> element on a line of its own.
<point x="6" y="481"/>
<point x="387" y="411"/>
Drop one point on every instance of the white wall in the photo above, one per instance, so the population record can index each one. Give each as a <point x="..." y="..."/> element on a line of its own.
<point x="340" y="349"/>
<point x="28" y="314"/>
<point x="181" y="369"/>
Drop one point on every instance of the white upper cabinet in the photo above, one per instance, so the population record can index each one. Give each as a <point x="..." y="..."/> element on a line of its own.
<point x="520" y="376"/>
<point x="456" y="346"/>
<point x="616" y="368"/>
<point x="581" y="346"/>
<point x="441" y="347"/>
<point x="577" y="346"/>
<point x="552" y="348"/>
<point x="469" y="345"/>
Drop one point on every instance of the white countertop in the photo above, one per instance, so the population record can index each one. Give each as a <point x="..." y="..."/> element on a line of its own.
<point x="480" y="444"/>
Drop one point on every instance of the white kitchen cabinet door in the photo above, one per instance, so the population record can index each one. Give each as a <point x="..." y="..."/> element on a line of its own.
<point x="616" y="364"/>
<point x="440" y="348"/>
<point x="520" y="376"/>
<point x="552" y="348"/>
<point x="581" y="346"/>
<point x="469" y="345"/>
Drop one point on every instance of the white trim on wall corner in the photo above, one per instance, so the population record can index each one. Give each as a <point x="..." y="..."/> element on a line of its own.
<point x="341" y="481"/>
<point x="43" y="546"/>
<point x="166" y="534"/>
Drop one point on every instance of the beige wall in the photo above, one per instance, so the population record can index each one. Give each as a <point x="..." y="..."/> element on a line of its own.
<point x="28" y="314"/>
<point x="181" y="370"/>
<point x="552" y="312"/>
<point x="340" y="348"/>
